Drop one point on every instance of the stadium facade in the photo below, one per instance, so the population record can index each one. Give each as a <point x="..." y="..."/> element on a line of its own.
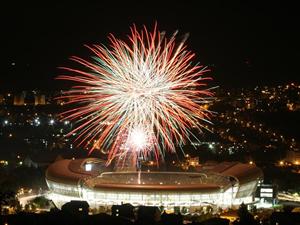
<point x="222" y="185"/>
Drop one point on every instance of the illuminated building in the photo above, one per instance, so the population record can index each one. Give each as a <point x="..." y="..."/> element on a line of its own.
<point x="224" y="184"/>
<point x="39" y="100"/>
<point x="19" y="100"/>
<point x="293" y="157"/>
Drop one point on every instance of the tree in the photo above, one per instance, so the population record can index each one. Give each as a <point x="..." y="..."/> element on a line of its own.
<point x="8" y="198"/>
<point x="246" y="218"/>
<point x="40" y="202"/>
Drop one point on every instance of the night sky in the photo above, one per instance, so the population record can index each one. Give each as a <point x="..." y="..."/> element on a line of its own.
<point x="244" y="44"/>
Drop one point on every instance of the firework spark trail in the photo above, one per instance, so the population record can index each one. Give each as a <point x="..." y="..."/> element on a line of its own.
<point x="148" y="89"/>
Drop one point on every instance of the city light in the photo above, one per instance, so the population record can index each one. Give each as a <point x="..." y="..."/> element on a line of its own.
<point x="4" y="162"/>
<point x="37" y="121"/>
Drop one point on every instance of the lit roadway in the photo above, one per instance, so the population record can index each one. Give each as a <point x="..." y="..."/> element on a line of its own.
<point x="288" y="197"/>
<point x="25" y="198"/>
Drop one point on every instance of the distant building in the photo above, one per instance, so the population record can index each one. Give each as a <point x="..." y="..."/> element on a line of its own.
<point x="39" y="100"/>
<point x="28" y="98"/>
<point x="19" y="99"/>
<point x="293" y="157"/>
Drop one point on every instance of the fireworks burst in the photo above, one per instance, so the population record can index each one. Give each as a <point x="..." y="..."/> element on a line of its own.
<point x="141" y="98"/>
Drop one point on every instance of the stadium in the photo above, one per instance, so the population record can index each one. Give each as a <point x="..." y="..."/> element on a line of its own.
<point x="220" y="184"/>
